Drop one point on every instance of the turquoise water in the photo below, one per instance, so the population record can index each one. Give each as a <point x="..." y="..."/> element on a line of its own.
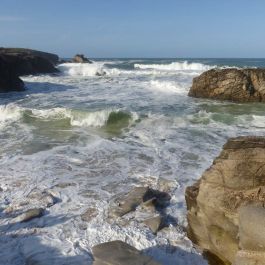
<point x="104" y="128"/>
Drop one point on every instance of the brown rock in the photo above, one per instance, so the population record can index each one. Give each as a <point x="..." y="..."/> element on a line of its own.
<point x="240" y="85"/>
<point x="80" y="58"/>
<point x="29" y="215"/>
<point x="89" y="214"/>
<point x="119" y="253"/>
<point x="236" y="179"/>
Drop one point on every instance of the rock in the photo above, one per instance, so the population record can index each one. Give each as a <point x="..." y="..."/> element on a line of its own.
<point x="89" y="214"/>
<point x="119" y="253"/>
<point x="29" y="215"/>
<point x="239" y="85"/>
<point x="9" y="81"/>
<point x="53" y="58"/>
<point x="80" y="58"/>
<point x="15" y="62"/>
<point x="155" y="223"/>
<point x="134" y="198"/>
<point x="218" y="221"/>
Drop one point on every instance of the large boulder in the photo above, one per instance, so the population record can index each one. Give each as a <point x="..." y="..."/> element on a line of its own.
<point x="53" y="58"/>
<point x="226" y="206"/>
<point x="15" y="62"/>
<point x="80" y="58"/>
<point x="239" y="85"/>
<point x="9" y="80"/>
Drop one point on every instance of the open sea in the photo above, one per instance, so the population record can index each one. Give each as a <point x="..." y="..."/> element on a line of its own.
<point x="97" y="130"/>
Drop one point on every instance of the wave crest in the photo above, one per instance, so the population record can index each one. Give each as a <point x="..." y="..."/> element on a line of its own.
<point x="175" y="66"/>
<point x="82" y="69"/>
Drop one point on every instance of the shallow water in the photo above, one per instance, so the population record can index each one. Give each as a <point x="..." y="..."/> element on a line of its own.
<point x="87" y="138"/>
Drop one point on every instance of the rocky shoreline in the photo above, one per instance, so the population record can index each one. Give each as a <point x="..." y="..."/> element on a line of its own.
<point x="226" y="206"/>
<point x="16" y="62"/>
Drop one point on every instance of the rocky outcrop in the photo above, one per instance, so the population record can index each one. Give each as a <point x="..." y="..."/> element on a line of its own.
<point x="80" y="58"/>
<point x="9" y="80"/>
<point x="239" y="85"/>
<point x="53" y="58"/>
<point x="119" y="253"/>
<point x="15" y="62"/>
<point x="145" y="205"/>
<point x="226" y="206"/>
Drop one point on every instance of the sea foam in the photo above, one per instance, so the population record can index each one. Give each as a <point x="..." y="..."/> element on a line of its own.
<point x="175" y="66"/>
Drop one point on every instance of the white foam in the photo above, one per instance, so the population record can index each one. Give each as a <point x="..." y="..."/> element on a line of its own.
<point x="82" y="69"/>
<point x="175" y="66"/>
<point x="9" y="113"/>
<point x="167" y="87"/>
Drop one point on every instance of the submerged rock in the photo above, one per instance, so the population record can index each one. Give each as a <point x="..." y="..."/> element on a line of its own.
<point x="239" y="85"/>
<point x="119" y="253"/>
<point x="30" y="214"/>
<point x="89" y="214"/>
<point x="226" y="207"/>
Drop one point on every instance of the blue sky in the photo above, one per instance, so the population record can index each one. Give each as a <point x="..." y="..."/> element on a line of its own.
<point x="136" y="28"/>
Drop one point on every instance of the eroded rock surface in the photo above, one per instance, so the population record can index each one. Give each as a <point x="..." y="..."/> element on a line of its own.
<point x="119" y="253"/>
<point x="240" y="85"/>
<point x="226" y="206"/>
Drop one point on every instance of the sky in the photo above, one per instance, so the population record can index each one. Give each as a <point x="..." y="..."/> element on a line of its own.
<point x="136" y="28"/>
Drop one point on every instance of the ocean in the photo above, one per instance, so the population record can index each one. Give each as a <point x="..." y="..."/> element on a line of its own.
<point x="97" y="130"/>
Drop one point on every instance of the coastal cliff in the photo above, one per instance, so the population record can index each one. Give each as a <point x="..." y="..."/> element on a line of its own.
<point x="221" y="202"/>
<point x="239" y="85"/>
<point x="15" y="62"/>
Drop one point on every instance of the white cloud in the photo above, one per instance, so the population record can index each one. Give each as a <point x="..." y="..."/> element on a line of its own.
<point x="10" y="18"/>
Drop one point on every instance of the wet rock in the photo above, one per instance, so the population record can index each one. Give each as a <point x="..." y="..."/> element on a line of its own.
<point x="155" y="223"/>
<point x="29" y="215"/>
<point x="135" y="197"/>
<point x="240" y="85"/>
<point x="80" y="58"/>
<point x="65" y="185"/>
<point x="128" y="203"/>
<point x="42" y="198"/>
<point x="89" y="214"/>
<point x="119" y="253"/>
<point x="166" y="185"/>
<point x="226" y="206"/>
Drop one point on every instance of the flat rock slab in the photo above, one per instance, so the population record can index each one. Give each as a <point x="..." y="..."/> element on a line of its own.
<point x="119" y="253"/>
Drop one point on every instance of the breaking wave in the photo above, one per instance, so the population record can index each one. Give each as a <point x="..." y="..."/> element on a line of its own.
<point x="104" y="118"/>
<point x="82" y="69"/>
<point x="175" y="66"/>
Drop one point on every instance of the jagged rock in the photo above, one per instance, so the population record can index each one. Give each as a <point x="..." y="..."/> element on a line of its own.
<point x="80" y="58"/>
<point x="240" y="85"/>
<point x="235" y="180"/>
<point x="29" y="215"/>
<point x="155" y="223"/>
<point x="119" y="253"/>
<point x="134" y="198"/>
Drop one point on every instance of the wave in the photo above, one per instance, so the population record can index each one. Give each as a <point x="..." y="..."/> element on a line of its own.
<point x="175" y="66"/>
<point x="110" y="119"/>
<point x="82" y="69"/>
<point x="167" y="87"/>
